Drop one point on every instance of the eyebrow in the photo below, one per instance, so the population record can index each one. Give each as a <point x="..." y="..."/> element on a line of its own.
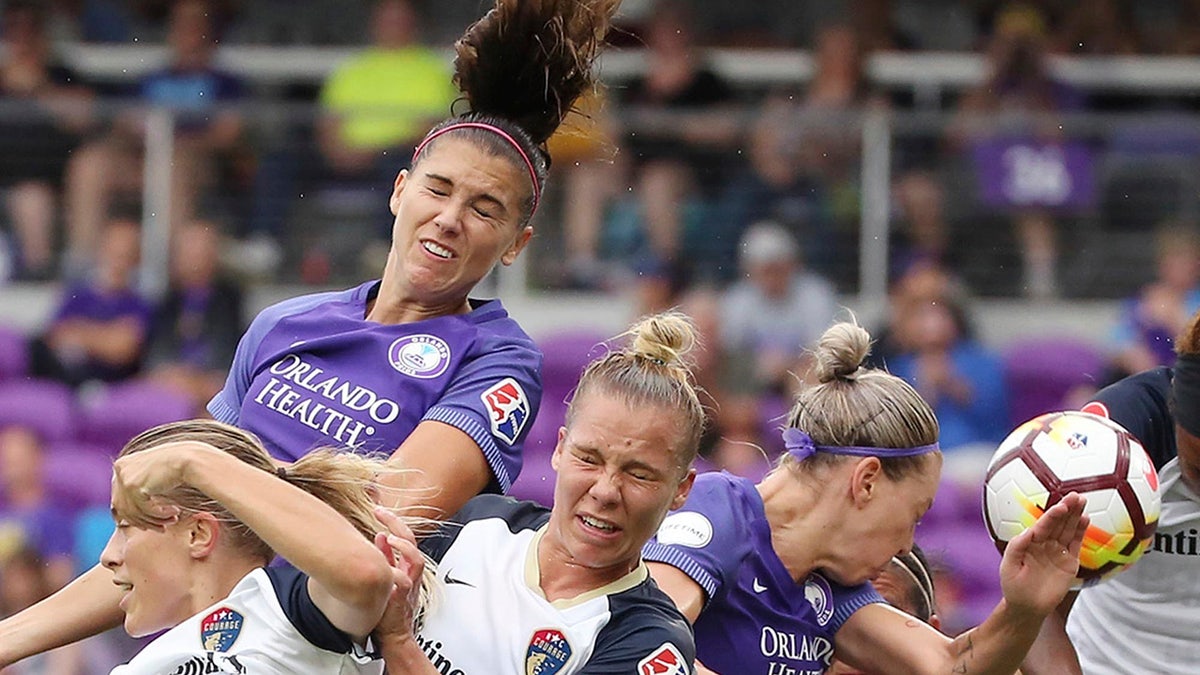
<point x="484" y="195"/>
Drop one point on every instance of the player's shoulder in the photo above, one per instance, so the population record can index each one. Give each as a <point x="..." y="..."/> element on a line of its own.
<point x="515" y="515"/>
<point x="496" y="329"/>
<point x="1149" y="388"/>
<point x="308" y="302"/>
<point x="647" y="626"/>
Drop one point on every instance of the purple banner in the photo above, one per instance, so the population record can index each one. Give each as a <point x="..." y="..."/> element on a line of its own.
<point x="1027" y="173"/>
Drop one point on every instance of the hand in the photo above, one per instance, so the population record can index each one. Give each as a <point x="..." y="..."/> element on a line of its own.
<point x="399" y="545"/>
<point x="141" y="480"/>
<point x="1040" y="564"/>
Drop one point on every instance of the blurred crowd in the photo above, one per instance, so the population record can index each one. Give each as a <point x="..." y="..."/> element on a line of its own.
<point x="678" y="187"/>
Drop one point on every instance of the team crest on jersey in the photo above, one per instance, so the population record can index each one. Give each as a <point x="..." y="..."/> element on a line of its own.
<point x="666" y="660"/>
<point x="508" y="409"/>
<point x="820" y="596"/>
<point x="220" y="629"/>
<point x="422" y="356"/>
<point x="548" y="652"/>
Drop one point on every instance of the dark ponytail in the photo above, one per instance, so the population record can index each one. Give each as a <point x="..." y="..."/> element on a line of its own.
<point x="521" y="68"/>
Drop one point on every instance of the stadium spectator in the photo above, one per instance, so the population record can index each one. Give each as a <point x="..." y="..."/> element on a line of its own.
<point x="195" y="330"/>
<point x="677" y="120"/>
<point x="207" y="139"/>
<point x="572" y="576"/>
<point x="411" y="364"/>
<point x="1015" y="106"/>
<point x="383" y="100"/>
<point x="1144" y="335"/>
<point x="98" y="331"/>
<point x="46" y="109"/>
<point x="768" y="320"/>
<point x="960" y="378"/>
<point x="29" y="517"/>
<point x="24" y="580"/>
<point x="1140" y="620"/>
<point x="922" y="234"/>
<point x="758" y="568"/>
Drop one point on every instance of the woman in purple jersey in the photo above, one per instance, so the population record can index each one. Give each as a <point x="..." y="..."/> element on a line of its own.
<point x="775" y="576"/>
<point x="411" y="364"/>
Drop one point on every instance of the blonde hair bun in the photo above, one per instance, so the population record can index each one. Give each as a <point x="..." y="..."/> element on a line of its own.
<point x="841" y="352"/>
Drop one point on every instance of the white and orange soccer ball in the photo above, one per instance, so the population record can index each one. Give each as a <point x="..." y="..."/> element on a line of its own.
<point x="1050" y="456"/>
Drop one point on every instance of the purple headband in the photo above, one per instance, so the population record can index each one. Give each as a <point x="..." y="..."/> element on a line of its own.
<point x="537" y="191"/>
<point x="800" y="445"/>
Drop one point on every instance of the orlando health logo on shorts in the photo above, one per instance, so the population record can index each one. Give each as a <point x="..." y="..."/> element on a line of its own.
<point x="421" y="356"/>
<point x="507" y="407"/>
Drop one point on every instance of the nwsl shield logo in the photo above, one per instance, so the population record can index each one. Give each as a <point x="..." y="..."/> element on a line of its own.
<point x="666" y="660"/>
<point x="548" y="652"/>
<point x="507" y="408"/>
<point x="220" y="629"/>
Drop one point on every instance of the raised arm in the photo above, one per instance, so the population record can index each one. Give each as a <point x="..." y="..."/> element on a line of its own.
<point x="1036" y="572"/>
<point x="83" y="608"/>
<point x="349" y="579"/>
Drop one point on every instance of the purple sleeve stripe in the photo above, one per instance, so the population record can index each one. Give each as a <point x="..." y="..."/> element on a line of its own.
<point x="221" y="411"/>
<point x="842" y="613"/>
<point x="656" y="552"/>
<point x="478" y="433"/>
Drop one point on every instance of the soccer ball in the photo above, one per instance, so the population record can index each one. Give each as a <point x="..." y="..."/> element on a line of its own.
<point x="1052" y="455"/>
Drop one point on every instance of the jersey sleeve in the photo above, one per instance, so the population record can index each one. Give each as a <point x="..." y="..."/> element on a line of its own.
<point x="291" y="589"/>
<point x="706" y="538"/>
<point x="849" y="599"/>
<point x="636" y="647"/>
<point x="493" y="399"/>
<point x="1140" y="403"/>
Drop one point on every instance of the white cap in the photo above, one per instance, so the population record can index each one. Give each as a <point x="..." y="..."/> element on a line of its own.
<point x="767" y="242"/>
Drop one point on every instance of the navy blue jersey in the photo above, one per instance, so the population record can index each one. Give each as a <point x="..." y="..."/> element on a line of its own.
<point x="1141" y="404"/>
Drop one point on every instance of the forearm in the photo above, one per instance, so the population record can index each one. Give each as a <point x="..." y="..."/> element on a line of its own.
<point x="297" y="525"/>
<point x="85" y="607"/>
<point x="997" y="646"/>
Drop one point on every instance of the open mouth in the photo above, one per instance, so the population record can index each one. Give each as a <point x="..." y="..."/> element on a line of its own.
<point x="599" y="526"/>
<point x="437" y="249"/>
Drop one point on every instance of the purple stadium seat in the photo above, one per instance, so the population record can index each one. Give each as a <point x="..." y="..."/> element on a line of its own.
<point x="14" y="354"/>
<point x="121" y="411"/>
<point x="1041" y="372"/>
<point x="565" y="355"/>
<point x="46" y="407"/>
<point x="78" y="475"/>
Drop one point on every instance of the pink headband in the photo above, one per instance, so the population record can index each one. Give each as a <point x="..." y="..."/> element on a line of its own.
<point x="537" y="192"/>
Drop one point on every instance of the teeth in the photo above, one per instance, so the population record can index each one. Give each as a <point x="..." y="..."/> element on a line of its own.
<point x="437" y="249"/>
<point x="599" y="525"/>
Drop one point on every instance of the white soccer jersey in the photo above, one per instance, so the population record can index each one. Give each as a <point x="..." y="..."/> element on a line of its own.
<point x="1147" y="618"/>
<point x="268" y="625"/>
<point x="494" y="620"/>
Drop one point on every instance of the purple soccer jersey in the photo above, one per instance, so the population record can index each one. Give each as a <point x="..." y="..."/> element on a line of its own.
<point x="311" y="372"/>
<point x="756" y="620"/>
